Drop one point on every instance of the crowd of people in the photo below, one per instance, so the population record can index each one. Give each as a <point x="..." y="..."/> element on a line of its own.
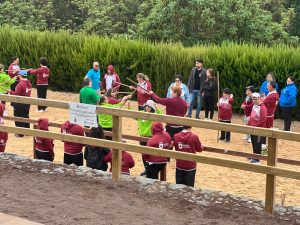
<point x="259" y="108"/>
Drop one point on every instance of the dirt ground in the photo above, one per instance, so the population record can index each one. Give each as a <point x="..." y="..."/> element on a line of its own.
<point x="231" y="181"/>
<point x="67" y="198"/>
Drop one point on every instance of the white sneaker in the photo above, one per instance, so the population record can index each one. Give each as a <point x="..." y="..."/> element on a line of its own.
<point x="263" y="146"/>
<point x="41" y="110"/>
<point x="206" y="119"/>
<point x="249" y="140"/>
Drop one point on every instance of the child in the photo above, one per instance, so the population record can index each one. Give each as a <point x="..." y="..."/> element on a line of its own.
<point x="186" y="141"/>
<point x="44" y="146"/>
<point x="127" y="161"/>
<point x="247" y="107"/>
<point x="225" y="112"/>
<point x="94" y="155"/>
<point x="112" y="97"/>
<point x="5" y="81"/>
<point x="72" y="151"/>
<point x="3" y="135"/>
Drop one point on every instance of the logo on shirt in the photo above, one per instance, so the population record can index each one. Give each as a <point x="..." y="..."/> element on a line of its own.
<point x="162" y="145"/>
<point x="28" y="90"/>
<point x="182" y="145"/>
<point x="45" y="75"/>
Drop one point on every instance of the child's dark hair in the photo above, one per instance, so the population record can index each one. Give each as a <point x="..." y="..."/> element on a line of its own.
<point x="108" y="93"/>
<point x="226" y="91"/>
<point x="101" y="100"/>
<point x="152" y="110"/>
<point x="44" y="61"/>
<point x="186" y="127"/>
<point x="97" y="132"/>
<point x="178" y="76"/>
<point x="12" y="59"/>
<point x="272" y="84"/>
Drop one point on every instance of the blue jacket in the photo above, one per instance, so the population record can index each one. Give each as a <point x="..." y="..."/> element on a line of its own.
<point x="288" y="96"/>
<point x="95" y="78"/>
<point x="264" y="89"/>
<point x="185" y="95"/>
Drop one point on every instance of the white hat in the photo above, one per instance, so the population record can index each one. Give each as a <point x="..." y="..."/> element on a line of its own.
<point x="151" y="104"/>
<point x="255" y="95"/>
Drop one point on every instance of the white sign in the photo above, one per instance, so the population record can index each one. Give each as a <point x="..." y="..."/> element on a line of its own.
<point x="83" y="114"/>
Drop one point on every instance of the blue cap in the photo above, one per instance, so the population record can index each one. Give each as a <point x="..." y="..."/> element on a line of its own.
<point x="23" y="73"/>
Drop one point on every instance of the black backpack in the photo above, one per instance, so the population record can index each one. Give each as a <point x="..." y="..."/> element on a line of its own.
<point x="94" y="157"/>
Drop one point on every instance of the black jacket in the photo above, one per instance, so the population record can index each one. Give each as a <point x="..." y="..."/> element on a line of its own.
<point x="210" y="87"/>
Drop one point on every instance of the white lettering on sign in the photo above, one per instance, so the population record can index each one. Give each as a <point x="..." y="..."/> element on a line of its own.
<point x="83" y="114"/>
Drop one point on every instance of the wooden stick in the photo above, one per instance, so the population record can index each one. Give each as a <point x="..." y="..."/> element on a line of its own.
<point x="123" y="84"/>
<point x="138" y="85"/>
<point x="218" y="80"/>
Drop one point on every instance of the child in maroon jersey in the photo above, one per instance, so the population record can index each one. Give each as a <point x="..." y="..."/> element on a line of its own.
<point x="225" y="112"/>
<point x="247" y="107"/>
<point x="44" y="146"/>
<point x="42" y="74"/>
<point x="3" y="135"/>
<point x="161" y="140"/>
<point x="188" y="142"/>
<point x="72" y="151"/>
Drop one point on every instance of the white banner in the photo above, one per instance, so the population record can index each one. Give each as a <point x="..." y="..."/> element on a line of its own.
<point x="83" y="114"/>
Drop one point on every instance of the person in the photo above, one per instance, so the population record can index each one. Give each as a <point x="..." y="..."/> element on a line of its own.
<point x="106" y="120"/>
<point x="175" y="106"/>
<point x="23" y="88"/>
<point x="225" y="112"/>
<point x="143" y="89"/>
<point x="185" y="95"/>
<point x="87" y="95"/>
<point x="44" y="146"/>
<point x="247" y="107"/>
<point x="111" y="80"/>
<point x="112" y="97"/>
<point x="161" y="140"/>
<point x="188" y="142"/>
<point x="288" y="102"/>
<point x="263" y="88"/>
<point x="5" y="81"/>
<point x="209" y="93"/>
<point x="94" y="75"/>
<point x="13" y="70"/>
<point x="42" y="75"/>
<point x="94" y="155"/>
<point x="127" y="161"/>
<point x="270" y="101"/>
<point x="72" y="151"/>
<point x="195" y="86"/>
<point x="3" y="135"/>
<point x="257" y="118"/>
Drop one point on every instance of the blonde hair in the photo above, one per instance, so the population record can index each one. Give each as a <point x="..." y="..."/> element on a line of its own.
<point x="143" y="76"/>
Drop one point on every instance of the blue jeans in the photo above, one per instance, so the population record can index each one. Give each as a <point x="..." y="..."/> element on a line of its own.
<point x="195" y="93"/>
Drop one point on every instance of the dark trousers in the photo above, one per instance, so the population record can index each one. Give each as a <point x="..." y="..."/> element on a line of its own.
<point x="256" y="143"/>
<point x="44" y="155"/>
<point x="263" y="140"/>
<point x="209" y="105"/>
<point x="13" y="86"/>
<point x="75" y="159"/>
<point x="287" y="117"/>
<point x="108" y="137"/>
<point x="185" y="177"/>
<point x="42" y="93"/>
<point x="142" y="143"/>
<point x="225" y="135"/>
<point x="173" y="130"/>
<point x="153" y="170"/>
<point x="21" y="110"/>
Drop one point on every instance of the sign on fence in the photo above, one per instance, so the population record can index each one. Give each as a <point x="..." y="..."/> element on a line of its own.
<point x="83" y="114"/>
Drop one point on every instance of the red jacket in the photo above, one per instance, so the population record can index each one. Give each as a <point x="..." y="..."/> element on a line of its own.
<point x="114" y="78"/>
<point x="23" y="88"/>
<point x="258" y="116"/>
<point x="11" y="70"/>
<point x="186" y="141"/>
<point x="225" y="108"/>
<point x="127" y="161"/>
<point x="113" y="101"/>
<point x="248" y="103"/>
<point x="42" y="75"/>
<point x="174" y="106"/>
<point x="3" y="135"/>
<point x="44" y="144"/>
<point x="271" y="103"/>
<point x="74" y="129"/>
<point x="142" y="95"/>
<point x="161" y="140"/>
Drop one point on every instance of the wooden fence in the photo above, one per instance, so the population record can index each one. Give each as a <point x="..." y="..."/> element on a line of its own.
<point x="271" y="170"/>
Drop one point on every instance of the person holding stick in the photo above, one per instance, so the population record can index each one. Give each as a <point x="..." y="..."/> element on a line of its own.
<point x="111" y="80"/>
<point x="112" y="96"/>
<point x="143" y="88"/>
<point x="209" y="93"/>
<point x="42" y="75"/>
<point x="13" y="70"/>
<point x="5" y="81"/>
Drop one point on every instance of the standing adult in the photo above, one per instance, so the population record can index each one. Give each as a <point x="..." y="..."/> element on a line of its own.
<point x="111" y="80"/>
<point x="22" y="89"/>
<point x="185" y="95"/>
<point x="13" y="70"/>
<point x="264" y="87"/>
<point x="209" y="93"/>
<point x="175" y="106"/>
<point x="94" y="75"/>
<point x="288" y="102"/>
<point x="257" y="118"/>
<point x="42" y="75"/>
<point x="195" y="86"/>
<point x="143" y="89"/>
<point x="87" y="94"/>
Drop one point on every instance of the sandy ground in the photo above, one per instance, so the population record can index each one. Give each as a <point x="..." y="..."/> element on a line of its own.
<point x="231" y="181"/>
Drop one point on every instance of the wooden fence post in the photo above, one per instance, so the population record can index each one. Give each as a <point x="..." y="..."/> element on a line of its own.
<point x="116" y="154"/>
<point x="271" y="179"/>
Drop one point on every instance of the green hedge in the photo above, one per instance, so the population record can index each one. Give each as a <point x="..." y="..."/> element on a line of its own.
<point x="71" y="56"/>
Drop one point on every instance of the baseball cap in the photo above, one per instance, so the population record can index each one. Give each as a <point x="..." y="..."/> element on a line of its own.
<point x="151" y="104"/>
<point x="23" y="73"/>
<point x="255" y="95"/>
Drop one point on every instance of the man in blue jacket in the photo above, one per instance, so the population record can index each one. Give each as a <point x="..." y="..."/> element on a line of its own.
<point x="94" y="75"/>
